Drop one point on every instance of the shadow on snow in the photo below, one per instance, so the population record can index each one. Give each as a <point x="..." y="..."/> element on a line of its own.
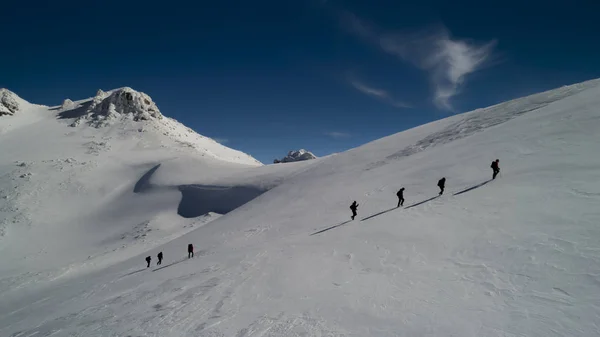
<point x="473" y="187"/>
<point x="134" y="272"/>
<point x="374" y="215"/>
<point x="422" y="202"/>
<point x="393" y="208"/>
<point x="170" y="264"/>
<point x="330" y="228"/>
<point x="143" y="184"/>
<point x="199" y="199"/>
<point x="74" y="113"/>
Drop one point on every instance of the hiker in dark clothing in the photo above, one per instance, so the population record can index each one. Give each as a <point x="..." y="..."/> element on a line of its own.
<point x="400" y="195"/>
<point x="353" y="207"/>
<point x="148" y="259"/>
<point x="441" y="185"/>
<point x="496" y="167"/>
<point x="160" y="257"/>
<point x="190" y="250"/>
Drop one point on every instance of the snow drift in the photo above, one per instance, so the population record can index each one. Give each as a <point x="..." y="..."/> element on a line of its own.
<point x="517" y="256"/>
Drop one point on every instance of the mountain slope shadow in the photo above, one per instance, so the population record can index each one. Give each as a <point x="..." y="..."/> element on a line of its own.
<point x="74" y="113"/>
<point x="200" y="199"/>
<point x="473" y="187"/>
<point x="197" y="200"/>
<point x="143" y="184"/>
<point x="422" y="202"/>
<point x="383" y="212"/>
<point x="330" y="228"/>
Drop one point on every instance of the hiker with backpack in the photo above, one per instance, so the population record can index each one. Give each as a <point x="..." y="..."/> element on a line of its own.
<point x="190" y="251"/>
<point x="400" y="195"/>
<point x="353" y="207"/>
<point x="148" y="259"/>
<point x="442" y="184"/>
<point x="496" y="167"/>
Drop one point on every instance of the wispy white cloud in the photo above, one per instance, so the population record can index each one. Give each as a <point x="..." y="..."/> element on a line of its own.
<point x="448" y="60"/>
<point x="368" y="90"/>
<point x="221" y="140"/>
<point x="337" y="134"/>
<point x="377" y="93"/>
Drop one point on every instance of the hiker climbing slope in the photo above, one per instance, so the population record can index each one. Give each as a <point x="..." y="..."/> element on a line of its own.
<point x="160" y="257"/>
<point x="400" y="195"/>
<point x="353" y="207"/>
<point x="496" y="167"/>
<point x="442" y="184"/>
<point x="148" y="259"/>
<point x="190" y="250"/>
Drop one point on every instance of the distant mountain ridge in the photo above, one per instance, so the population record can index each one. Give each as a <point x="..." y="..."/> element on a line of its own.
<point x="298" y="155"/>
<point x="127" y="108"/>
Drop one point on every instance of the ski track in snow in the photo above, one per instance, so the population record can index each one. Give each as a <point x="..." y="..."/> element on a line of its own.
<point x="516" y="256"/>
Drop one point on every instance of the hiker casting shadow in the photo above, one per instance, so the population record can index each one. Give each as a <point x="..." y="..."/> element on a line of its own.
<point x="442" y="184"/>
<point x="353" y="207"/>
<point x="190" y="251"/>
<point x="496" y="167"/>
<point x="400" y="195"/>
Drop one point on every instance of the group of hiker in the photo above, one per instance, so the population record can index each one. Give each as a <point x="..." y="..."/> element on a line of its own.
<point x="441" y="184"/>
<point x="160" y="256"/>
<point x="149" y="259"/>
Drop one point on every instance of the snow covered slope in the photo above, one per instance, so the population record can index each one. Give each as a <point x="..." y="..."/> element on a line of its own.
<point x="517" y="256"/>
<point x="68" y="176"/>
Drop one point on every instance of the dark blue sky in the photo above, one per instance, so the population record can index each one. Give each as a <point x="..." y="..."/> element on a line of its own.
<point x="272" y="76"/>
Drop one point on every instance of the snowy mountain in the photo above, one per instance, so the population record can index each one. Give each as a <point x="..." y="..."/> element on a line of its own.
<point x="293" y="156"/>
<point x="9" y="104"/>
<point x="73" y="169"/>
<point x="514" y="256"/>
<point x="118" y="104"/>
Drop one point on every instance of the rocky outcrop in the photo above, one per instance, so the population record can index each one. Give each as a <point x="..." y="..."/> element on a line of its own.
<point x="293" y="156"/>
<point x="118" y="104"/>
<point x="9" y="104"/>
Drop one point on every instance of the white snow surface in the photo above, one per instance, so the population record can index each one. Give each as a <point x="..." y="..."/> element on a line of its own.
<point x="516" y="256"/>
<point x="297" y="155"/>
